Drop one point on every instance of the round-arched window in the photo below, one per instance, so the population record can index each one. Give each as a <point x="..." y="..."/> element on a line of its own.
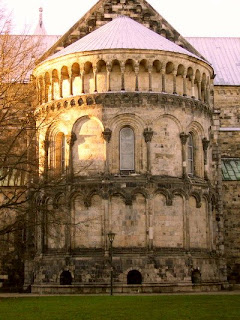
<point x="127" y="152"/>
<point x="134" y="277"/>
<point x="65" y="278"/>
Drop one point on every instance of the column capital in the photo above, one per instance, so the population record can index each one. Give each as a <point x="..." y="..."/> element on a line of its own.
<point x="71" y="138"/>
<point x="205" y="143"/>
<point x="184" y="137"/>
<point x="148" y="134"/>
<point x="122" y="66"/>
<point x="150" y="68"/>
<point x="107" y="134"/>
<point x="136" y="68"/>
<point x="109" y="66"/>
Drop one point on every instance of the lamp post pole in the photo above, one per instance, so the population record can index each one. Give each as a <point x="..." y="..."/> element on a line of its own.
<point x="111" y="236"/>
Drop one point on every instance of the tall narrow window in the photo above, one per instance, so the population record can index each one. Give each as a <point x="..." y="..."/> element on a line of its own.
<point x="190" y="155"/>
<point x="60" y="152"/>
<point x="63" y="154"/>
<point x="127" y="154"/>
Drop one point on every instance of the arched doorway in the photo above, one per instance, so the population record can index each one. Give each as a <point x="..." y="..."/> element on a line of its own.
<point x="134" y="277"/>
<point x="65" y="278"/>
<point x="196" y="276"/>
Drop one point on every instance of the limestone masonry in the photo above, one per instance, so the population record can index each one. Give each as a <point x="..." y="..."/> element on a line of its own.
<point x="132" y="136"/>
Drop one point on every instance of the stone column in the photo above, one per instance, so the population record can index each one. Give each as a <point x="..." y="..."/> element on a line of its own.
<point x="52" y="88"/>
<point x="45" y="97"/>
<point x="71" y="84"/>
<point x="108" y="67"/>
<point x="107" y="134"/>
<point x="46" y="145"/>
<point x="150" y="77"/>
<point x="184" y="137"/>
<point x="61" y="88"/>
<point x="174" y="82"/>
<point x="204" y="92"/>
<point x="136" y="69"/>
<point x="82" y="77"/>
<point x="199" y="83"/>
<point x="95" y="78"/>
<point x="122" y="66"/>
<point x="205" y="144"/>
<point x="40" y="84"/>
<point x="148" y="133"/>
<point x="106" y="205"/>
<point x="71" y="138"/>
<point x="193" y="88"/>
<point x="163" y="79"/>
<point x="184" y="84"/>
<point x="186" y="226"/>
<point x="150" y="223"/>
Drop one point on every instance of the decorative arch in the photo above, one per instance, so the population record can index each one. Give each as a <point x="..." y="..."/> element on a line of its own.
<point x="115" y="77"/>
<point x="143" y="77"/>
<point x="136" y="124"/>
<point x="88" y="77"/>
<point x="56" y="148"/>
<point x="87" y="221"/>
<point x="197" y="198"/>
<point x="196" y="132"/>
<point x="76" y="81"/>
<point x="168" y="221"/>
<point x="198" y="221"/>
<point x="129" y="75"/>
<point x="156" y="76"/>
<point x="65" y="82"/>
<point x="88" y="151"/>
<point x="101" y="76"/>
<point x="166" y="153"/>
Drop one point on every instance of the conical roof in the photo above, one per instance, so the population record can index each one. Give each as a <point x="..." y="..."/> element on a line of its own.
<point x="122" y="33"/>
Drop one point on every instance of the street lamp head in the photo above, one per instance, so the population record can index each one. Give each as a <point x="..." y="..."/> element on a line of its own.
<point x="111" y="236"/>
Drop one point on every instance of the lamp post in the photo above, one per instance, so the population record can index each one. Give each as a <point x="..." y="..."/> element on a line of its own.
<point x="111" y="236"/>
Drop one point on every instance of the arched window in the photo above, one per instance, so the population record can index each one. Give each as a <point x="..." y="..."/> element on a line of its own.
<point x="196" y="276"/>
<point x="127" y="152"/>
<point x="65" y="278"/>
<point x="134" y="277"/>
<point x="190" y="154"/>
<point x="60" y="152"/>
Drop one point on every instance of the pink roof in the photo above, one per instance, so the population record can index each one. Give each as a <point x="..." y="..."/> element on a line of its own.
<point x="224" y="54"/>
<point x="122" y="33"/>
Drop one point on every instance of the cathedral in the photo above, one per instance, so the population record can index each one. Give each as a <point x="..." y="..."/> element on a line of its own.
<point x="138" y="138"/>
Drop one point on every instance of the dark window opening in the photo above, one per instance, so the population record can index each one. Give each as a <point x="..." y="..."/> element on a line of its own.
<point x="134" y="277"/>
<point x="196" y="276"/>
<point x="66" y="278"/>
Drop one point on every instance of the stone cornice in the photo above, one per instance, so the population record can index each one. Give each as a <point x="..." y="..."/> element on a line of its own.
<point x="124" y="99"/>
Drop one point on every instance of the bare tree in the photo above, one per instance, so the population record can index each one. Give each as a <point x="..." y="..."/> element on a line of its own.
<point x="18" y="164"/>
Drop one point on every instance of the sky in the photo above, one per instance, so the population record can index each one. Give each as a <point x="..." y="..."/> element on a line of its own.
<point x="201" y="18"/>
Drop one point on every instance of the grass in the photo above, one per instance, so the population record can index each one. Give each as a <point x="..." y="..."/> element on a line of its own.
<point x="159" y="307"/>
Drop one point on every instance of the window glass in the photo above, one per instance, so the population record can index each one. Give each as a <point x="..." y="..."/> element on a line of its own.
<point x="190" y="155"/>
<point x="126" y="149"/>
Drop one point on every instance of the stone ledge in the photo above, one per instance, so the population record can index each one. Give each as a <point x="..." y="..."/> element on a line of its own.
<point x="122" y="99"/>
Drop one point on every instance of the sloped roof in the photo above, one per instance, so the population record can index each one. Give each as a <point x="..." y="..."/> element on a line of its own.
<point x="231" y="169"/>
<point x="224" y="55"/>
<point x="122" y="33"/>
<point x="106" y="10"/>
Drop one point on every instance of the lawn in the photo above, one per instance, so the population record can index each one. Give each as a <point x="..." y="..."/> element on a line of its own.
<point x="159" y="307"/>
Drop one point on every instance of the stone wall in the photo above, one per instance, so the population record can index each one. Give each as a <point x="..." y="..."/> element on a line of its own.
<point x="227" y="100"/>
